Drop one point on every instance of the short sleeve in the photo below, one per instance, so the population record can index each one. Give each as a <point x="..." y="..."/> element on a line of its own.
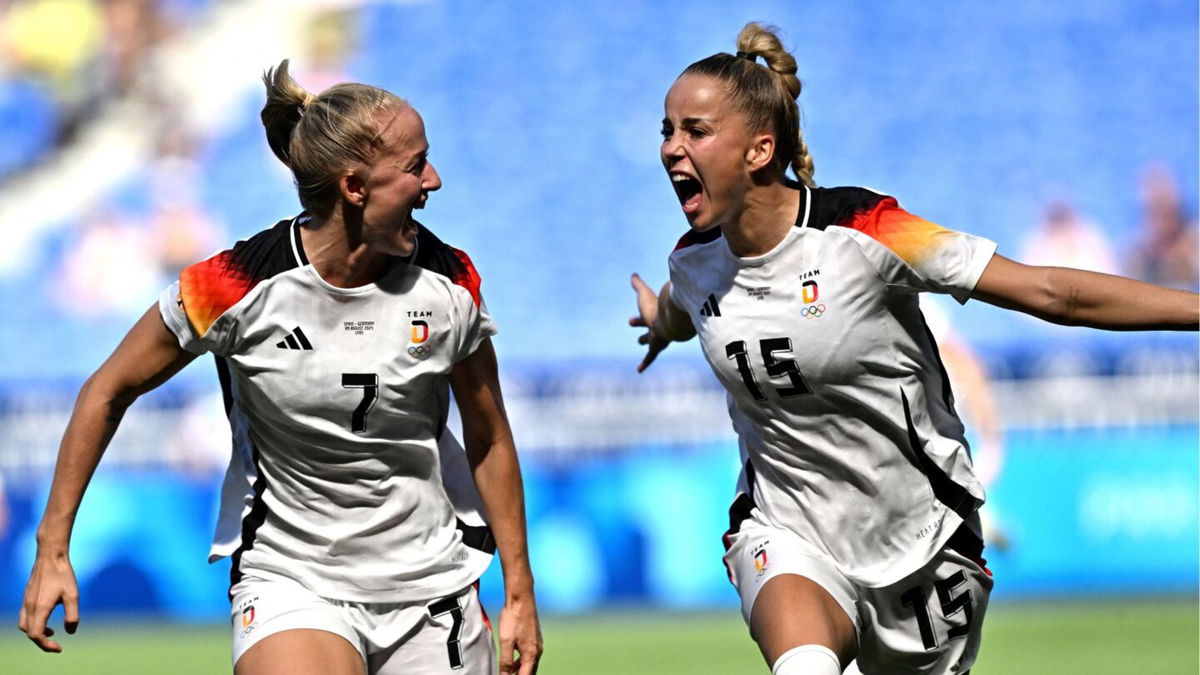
<point x="170" y="306"/>
<point x="476" y="323"/>
<point x="912" y="252"/>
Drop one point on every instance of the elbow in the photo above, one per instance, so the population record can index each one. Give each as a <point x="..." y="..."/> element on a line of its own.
<point x="99" y="391"/>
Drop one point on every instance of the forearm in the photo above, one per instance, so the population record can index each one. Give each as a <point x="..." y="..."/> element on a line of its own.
<point x="498" y="478"/>
<point x="93" y="422"/>
<point x="671" y="323"/>
<point x="1081" y="298"/>
<point x="1100" y="300"/>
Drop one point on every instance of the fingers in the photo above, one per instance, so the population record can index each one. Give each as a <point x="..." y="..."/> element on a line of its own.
<point x="638" y="284"/>
<point x="638" y="322"/>
<point x="507" y="647"/>
<point x="71" y="613"/>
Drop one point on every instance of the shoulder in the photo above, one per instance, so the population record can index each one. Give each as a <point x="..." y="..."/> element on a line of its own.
<point x="693" y="245"/>
<point x="440" y="258"/>
<point x="209" y="288"/>
<point x="846" y="206"/>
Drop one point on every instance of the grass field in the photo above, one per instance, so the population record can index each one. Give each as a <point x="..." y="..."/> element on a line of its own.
<point x="1093" y="638"/>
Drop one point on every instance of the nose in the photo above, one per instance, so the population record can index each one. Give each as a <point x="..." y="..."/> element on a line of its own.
<point x="672" y="149"/>
<point x="430" y="180"/>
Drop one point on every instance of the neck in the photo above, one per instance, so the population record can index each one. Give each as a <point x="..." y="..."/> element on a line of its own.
<point x="335" y="248"/>
<point x="768" y="214"/>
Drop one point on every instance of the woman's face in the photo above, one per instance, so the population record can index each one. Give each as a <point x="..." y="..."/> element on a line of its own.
<point x="705" y="151"/>
<point x="399" y="180"/>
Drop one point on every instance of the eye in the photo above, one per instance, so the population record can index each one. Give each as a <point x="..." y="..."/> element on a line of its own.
<point x="666" y="132"/>
<point x="697" y="132"/>
<point x="418" y="167"/>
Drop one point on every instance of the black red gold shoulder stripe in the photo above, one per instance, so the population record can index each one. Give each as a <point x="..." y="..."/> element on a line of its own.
<point x="694" y="238"/>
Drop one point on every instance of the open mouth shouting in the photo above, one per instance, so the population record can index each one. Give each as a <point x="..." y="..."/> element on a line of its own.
<point x="688" y="190"/>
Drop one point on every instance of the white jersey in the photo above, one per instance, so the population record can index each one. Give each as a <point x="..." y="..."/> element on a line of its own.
<point x="343" y="476"/>
<point x="843" y="412"/>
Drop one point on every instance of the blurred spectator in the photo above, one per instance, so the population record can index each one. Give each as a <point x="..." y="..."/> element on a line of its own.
<point x="104" y="272"/>
<point x="54" y="42"/>
<point x="183" y="229"/>
<point x="1166" y="250"/>
<point x="1064" y="238"/>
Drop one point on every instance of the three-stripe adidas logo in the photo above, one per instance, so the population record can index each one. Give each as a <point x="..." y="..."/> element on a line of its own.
<point x="710" y="308"/>
<point x="295" y="340"/>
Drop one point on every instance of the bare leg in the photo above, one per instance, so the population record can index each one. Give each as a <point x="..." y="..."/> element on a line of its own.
<point x="791" y="611"/>
<point x="301" y="652"/>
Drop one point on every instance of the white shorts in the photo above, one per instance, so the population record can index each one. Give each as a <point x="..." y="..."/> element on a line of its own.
<point x="442" y="637"/>
<point x="929" y="622"/>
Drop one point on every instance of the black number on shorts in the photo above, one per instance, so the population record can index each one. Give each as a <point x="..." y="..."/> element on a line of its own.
<point x="369" y="383"/>
<point x="952" y="605"/>
<point x="776" y="367"/>
<point x="450" y="606"/>
<point x="916" y="598"/>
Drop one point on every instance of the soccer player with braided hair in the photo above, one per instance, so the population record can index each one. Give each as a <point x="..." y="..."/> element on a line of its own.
<point x="353" y="519"/>
<point x="854" y="533"/>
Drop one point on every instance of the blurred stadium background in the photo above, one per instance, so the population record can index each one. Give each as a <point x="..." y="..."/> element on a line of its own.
<point x="130" y="146"/>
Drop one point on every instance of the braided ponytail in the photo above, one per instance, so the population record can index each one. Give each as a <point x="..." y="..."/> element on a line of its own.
<point x="765" y="93"/>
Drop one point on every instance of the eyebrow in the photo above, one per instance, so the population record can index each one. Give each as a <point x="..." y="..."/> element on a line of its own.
<point x="687" y="121"/>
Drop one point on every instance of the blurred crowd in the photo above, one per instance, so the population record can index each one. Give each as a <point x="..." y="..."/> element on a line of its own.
<point x="61" y="61"/>
<point x="1162" y="247"/>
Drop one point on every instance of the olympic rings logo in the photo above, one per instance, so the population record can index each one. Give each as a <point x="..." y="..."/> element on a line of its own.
<point x="419" y="351"/>
<point x="813" y="311"/>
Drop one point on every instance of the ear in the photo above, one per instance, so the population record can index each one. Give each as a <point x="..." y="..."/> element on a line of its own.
<point x="353" y="188"/>
<point x="761" y="152"/>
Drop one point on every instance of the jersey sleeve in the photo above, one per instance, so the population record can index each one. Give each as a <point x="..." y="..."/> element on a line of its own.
<point x="196" y="307"/>
<point x="474" y="319"/>
<point x="912" y="252"/>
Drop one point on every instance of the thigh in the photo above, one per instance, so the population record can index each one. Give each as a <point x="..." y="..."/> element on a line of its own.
<point x="451" y="636"/>
<point x="791" y="611"/>
<point x="929" y="622"/>
<point x="301" y="651"/>
<point x="281" y="627"/>
<point x="792" y="594"/>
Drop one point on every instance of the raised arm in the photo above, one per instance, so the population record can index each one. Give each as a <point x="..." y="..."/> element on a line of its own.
<point x="148" y="356"/>
<point x="493" y="458"/>
<point x="1080" y="298"/>
<point x="665" y="323"/>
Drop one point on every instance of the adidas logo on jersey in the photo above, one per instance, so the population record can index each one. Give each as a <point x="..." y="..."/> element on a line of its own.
<point x="295" y="340"/>
<point x="710" y="308"/>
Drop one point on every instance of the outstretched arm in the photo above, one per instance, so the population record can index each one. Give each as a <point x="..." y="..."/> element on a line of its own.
<point x="148" y="356"/>
<point x="664" y="321"/>
<point x="1080" y="298"/>
<point x="493" y="458"/>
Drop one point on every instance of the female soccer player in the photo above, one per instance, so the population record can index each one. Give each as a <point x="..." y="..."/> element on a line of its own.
<point x="355" y="546"/>
<point x="855" y="531"/>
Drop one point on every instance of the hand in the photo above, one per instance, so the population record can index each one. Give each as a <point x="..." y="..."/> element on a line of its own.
<point x="647" y="301"/>
<point x="520" y="633"/>
<point x="52" y="582"/>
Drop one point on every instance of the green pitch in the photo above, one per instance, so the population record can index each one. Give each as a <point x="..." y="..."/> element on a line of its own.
<point x="1092" y="638"/>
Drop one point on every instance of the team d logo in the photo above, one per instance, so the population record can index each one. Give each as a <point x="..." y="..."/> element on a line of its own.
<point x="809" y="294"/>
<point x="247" y="616"/>
<point x="760" y="558"/>
<point x="420" y="336"/>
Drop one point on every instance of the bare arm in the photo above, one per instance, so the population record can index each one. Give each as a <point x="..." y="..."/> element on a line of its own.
<point x="665" y="322"/>
<point x="1080" y="298"/>
<point x="493" y="458"/>
<point x="148" y="356"/>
